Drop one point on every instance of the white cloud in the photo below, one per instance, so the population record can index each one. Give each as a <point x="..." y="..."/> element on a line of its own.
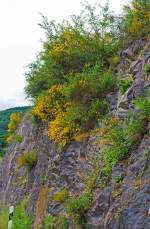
<point x="19" y="40"/>
<point x="17" y="100"/>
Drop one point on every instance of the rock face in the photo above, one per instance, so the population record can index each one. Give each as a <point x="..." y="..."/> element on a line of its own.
<point x="54" y="169"/>
<point x="124" y="203"/>
<point x="140" y="50"/>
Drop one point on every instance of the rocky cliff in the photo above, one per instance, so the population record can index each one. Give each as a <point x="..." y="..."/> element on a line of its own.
<point x="124" y="203"/>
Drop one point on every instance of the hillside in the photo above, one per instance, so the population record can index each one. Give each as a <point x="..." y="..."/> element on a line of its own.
<point x="4" y="121"/>
<point x="80" y="159"/>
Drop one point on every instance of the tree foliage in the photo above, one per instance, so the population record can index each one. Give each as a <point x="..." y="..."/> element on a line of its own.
<point x="70" y="46"/>
<point x="136" y="20"/>
<point x="72" y="75"/>
<point x="73" y="109"/>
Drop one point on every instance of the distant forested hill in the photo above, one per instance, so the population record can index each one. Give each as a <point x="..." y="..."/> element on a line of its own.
<point x="4" y="120"/>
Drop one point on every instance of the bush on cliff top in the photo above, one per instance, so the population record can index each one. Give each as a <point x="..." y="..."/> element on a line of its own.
<point x="74" y="108"/>
<point x="83" y="40"/>
<point x="71" y="77"/>
<point x="136" y="20"/>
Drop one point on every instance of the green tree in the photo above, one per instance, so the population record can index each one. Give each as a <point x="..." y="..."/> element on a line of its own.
<point x="136" y="20"/>
<point x="90" y="37"/>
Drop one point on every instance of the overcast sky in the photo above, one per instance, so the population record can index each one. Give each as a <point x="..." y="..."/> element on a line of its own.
<point x="20" y="38"/>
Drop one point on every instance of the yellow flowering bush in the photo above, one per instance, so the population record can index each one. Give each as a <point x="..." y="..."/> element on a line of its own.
<point x="72" y="109"/>
<point x="15" y="119"/>
<point x="50" y="104"/>
<point x="71" y="76"/>
<point x="61" y="131"/>
<point x="57" y="49"/>
<point x="85" y="39"/>
<point x="72" y="50"/>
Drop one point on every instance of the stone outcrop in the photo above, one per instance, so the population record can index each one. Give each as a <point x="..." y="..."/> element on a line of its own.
<point x="135" y="68"/>
<point x="124" y="203"/>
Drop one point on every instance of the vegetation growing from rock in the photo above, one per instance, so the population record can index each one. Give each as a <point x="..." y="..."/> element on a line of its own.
<point x="18" y="138"/>
<point x="68" y="47"/>
<point x="4" y="214"/>
<point x="54" y="222"/>
<point x="61" y="195"/>
<point x="125" y="84"/>
<point x="27" y="159"/>
<point x="15" y="119"/>
<point x="73" y="106"/>
<point x="72" y="75"/>
<point x="21" y="219"/>
<point x="118" y="137"/>
<point x="147" y="68"/>
<point x="143" y="104"/>
<point x="71" y="82"/>
<point x="136" y="20"/>
<point x="76" y="208"/>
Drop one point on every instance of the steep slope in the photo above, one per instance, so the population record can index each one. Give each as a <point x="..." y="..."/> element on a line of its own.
<point x="122" y="203"/>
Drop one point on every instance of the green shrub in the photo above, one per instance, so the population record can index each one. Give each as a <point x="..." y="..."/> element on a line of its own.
<point x="143" y="104"/>
<point x="61" y="196"/>
<point x="125" y="84"/>
<point x="91" y="179"/>
<point x="71" y="45"/>
<point x="49" y="222"/>
<point x="21" y="219"/>
<point x="77" y="207"/>
<point x="28" y="159"/>
<point x="18" y="138"/>
<point x="4" y="216"/>
<point x="91" y="83"/>
<point x="118" y="179"/>
<point x="85" y="118"/>
<point x="54" y="222"/>
<point x="147" y="68"/>
<point x="136" y="20"/>
<point x="114" y="60"/>
<point x="75" y="108"/>
<point x="71" y="77"/>
<point x="118" y="137"/>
